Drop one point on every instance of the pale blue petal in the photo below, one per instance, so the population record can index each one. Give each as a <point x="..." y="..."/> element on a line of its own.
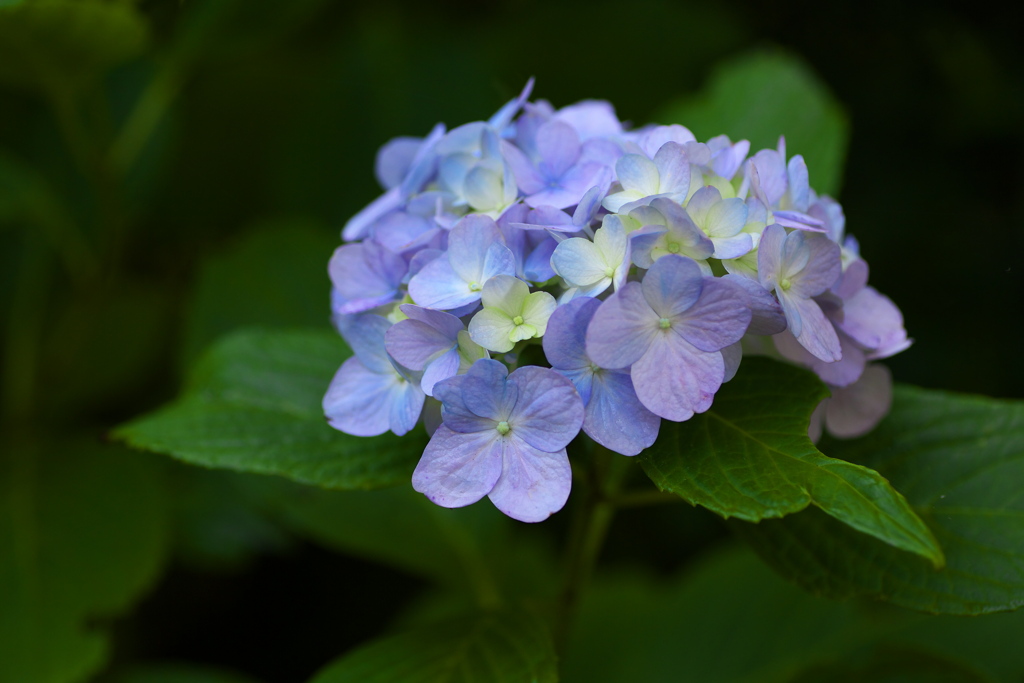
<point x="414" y="344"/>
<point x="357" y="401"/>
<point x="672" y="285"/>
<point x="675" y="380"/>
<point x="622" y="328"/>
<point x="534" y="484"/>
<point x="441" y="368"/>
<point x="810" y="326"/>
<point x="718" y="318"/>
<point x="615" y="418"/>
<point x="458" y="469"/>
<point x="637" y="173"/>
<point x="359" y="225"/>
<point x="548" y="413"/>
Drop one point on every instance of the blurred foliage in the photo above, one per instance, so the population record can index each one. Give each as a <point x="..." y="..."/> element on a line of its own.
<point x="171" y="172"/>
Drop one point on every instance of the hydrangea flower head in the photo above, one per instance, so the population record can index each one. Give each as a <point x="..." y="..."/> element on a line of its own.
<point x="633" y="268"/>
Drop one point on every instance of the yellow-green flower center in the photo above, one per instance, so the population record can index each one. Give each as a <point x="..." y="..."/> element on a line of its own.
<point x="608" y="272"/>
<point x="785" y="284"/>
<point x="518" y="320"/>
<point x="673" y="247"/>
<point x="474" y="287"/>
<point x="503" y="428"/>
<point x="664" y="323"/>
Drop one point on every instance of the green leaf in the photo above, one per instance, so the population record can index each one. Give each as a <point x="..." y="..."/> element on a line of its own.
<point x="960" y="462"/>
<point x="893" y="666"/>
<point x="475" y="550"/>
<point x="82" y="535"/>
<point x="763" y="95"/>
<point x="63" y="44"/>
<point x="276" y="276"/>
<point x="253" y="405"/>
<point x="730" y="619"/>
<point x="176" y="672"/>
<point x="749" y="457"/>
<point x="491" y="648"/>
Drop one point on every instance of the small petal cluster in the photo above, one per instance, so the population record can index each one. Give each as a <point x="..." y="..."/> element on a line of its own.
<point x="550" y="271"/>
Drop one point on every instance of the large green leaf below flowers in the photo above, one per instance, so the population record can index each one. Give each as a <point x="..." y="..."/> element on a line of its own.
<point x="83" y="532"/>
<point x="253" y="404"/>
<point x="500" y="647"/>
<point x="960" y="462"/>
<point x="749" y="457"/>
<point x="765" y="94"/>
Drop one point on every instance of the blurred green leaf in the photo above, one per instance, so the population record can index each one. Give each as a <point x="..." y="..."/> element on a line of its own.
<point x="254" y="405"/>
<point x="763" y="95"/>
<point x="729" y="620"/>
<point x="82" y="535"/>
<point x="749" y="457"/>
<point x="62" y="44"/>
<point x="491" y="648"/>
<point x="177" y="672"/>
<point x="275" y="277"/>
<point x="960" y="462"/>
<point x="475" y="550"/>
<point x="893" y="666"/>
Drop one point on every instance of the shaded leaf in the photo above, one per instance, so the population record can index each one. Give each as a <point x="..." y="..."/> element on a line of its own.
<point x="763" y="95"/>
<point x="253" y="405"/>
<point x="61" y="44"/>
<point x="275" y="277"/>
<point x="82" y="534"/>
<point x="729" y="620"/>
<point x="960" y="461"/>
<point x="893" y="666"/>
<point x="749" y="457"/>
<point x="491" y="648"/>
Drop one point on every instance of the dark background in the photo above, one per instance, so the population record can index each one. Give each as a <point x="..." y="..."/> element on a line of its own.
<point x="276" y="114"/>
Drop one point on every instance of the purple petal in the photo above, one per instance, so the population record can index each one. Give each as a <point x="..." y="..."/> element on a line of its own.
<point x="503" y="117"/>
<point x="591" y="118"/>
<point x="622" y="328"/>
<point x="823" y="264"/>
<point x="414" y="344"/>
<point x="358" y="226"/>
<point x="537" y="267"/>
<point x="458" y="469"/>
<point x="800" y="221"/>
<point x="673" y="169"/>
<point x="468" y="243"/>
<point x="769" y="256"/>
<point x="534" y="484"/>
<point x="424" y="164"/>
<point x="527" y="177"/>
<point x="394" y="160"/>
<point x="675" y="380"/>
<point x="437" y="285"/>
<point x="855" y="410"/>
<point x="400" y="231"/>
<point x="840" y="373"/>
<point x="446" y="323"/>
<point x="766" y="315"/>
<point x="486" y="391"/>
<point x="614" y="416"/>
<point x="771" y="172"/>
<point x="365" y="335"/>
<point x="732" y="355"/>
<point x="874" y="321"/>
<point x="588" y="206"/>
<point x="363" y="402"/>
<point x="799" y="188"/>
<point x="652" y="140"/>
<point x="365" y="275"/>
<point x="441" y="368"/>
<point x="811" y="328"/>
<point x="672" y="285"/>
<point x="548" y="413"/>
<point x="853" y="279"/>
<point x="558" y="145"/>
<point x="565" y="340"/>
<point x="717" y="319"/>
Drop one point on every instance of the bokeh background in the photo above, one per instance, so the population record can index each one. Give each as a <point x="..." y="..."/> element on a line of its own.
<point x="184" y="169"/>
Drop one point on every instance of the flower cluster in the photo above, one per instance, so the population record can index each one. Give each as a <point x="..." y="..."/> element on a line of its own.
<point x="642" y="263"/>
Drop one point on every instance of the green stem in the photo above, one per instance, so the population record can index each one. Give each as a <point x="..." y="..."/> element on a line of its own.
<point x="586" y="536"/>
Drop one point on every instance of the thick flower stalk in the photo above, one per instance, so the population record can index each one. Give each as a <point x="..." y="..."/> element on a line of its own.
<point x="633" y="268"/>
